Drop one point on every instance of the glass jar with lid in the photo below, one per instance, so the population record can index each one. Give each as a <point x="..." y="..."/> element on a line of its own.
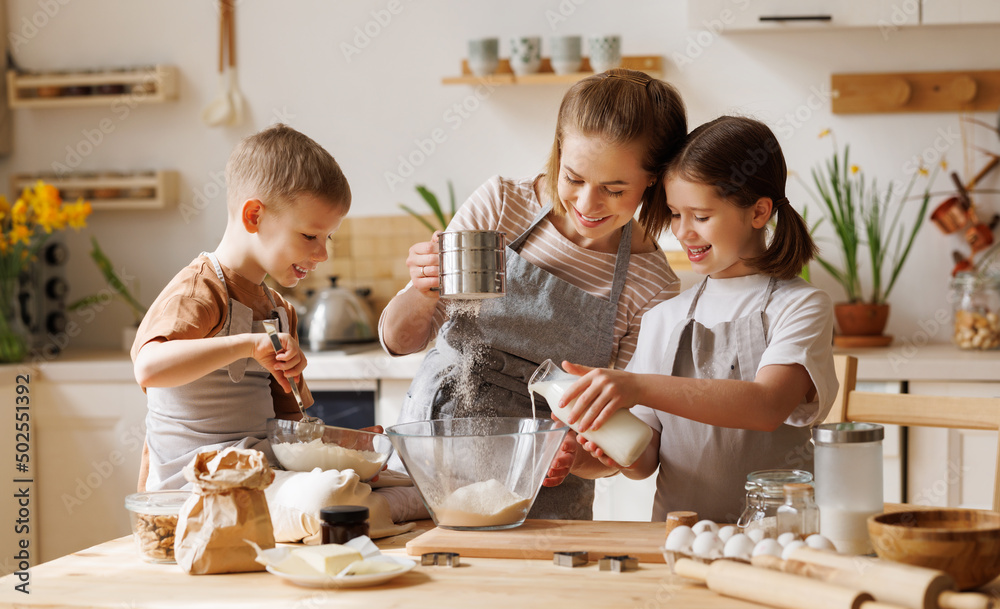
<point x="765" y="494"/>
<point x="976" y="306"/>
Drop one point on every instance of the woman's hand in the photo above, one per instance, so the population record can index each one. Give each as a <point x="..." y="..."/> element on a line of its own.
<point x="599" y="393"/>
<point x="287" y="363"/>
<point x="422" y="262"/>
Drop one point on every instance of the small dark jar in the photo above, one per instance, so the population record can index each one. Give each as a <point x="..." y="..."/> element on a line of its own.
<point x="342" y="523"/>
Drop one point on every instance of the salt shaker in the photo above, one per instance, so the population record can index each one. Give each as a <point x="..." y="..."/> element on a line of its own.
<point x="848" y="465"/>
<point x="800" y="514"/>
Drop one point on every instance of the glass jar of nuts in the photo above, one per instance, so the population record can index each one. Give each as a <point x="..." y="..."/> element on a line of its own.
<point x="976" y="304"/>
<point x="154" y="520"/>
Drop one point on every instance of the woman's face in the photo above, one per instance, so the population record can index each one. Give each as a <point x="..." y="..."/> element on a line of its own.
<point x="601" y="185"/>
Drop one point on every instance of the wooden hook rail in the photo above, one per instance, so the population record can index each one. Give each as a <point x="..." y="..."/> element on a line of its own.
<point x="916" y="92"/>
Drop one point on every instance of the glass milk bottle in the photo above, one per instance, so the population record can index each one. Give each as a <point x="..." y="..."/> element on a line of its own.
<point x="848" y="464"/>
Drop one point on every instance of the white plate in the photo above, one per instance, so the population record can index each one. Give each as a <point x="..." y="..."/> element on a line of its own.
<point x="347" y="581"/>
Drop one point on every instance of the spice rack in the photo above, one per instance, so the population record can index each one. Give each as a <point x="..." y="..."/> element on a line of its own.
<point x="138" y="190"/>
<point x="651" y="65"/>
<point x="150" y="84"/>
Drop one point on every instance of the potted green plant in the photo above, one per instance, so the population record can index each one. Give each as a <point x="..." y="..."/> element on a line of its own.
<point x="868" y="228"/>
<point x="117" y="289"/>
<point x="432" y="202"/>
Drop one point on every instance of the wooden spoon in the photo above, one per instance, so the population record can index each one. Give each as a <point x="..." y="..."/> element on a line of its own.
<point x="219" y="111"/>
<point x="235" y="96"/>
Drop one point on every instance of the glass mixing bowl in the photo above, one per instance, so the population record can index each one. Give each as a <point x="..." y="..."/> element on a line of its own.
<point x="339" y="448"/>
<point x="478" y="473"/>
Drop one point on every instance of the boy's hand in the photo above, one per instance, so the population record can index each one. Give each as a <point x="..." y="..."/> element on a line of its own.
<point x="288" y="363"/>
<point x="422" y="262"/>
<point x="599" y="393"/>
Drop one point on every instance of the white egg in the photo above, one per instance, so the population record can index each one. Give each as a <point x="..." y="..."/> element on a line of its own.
<point x="707" y="545"/>
<point x="726" y="532"/>
<point x="680" y="539"/>
<point x="819" y="542"/>
<point x="705" y="525"/>
<point x="785" y="538"/>
<point x="738" y="546"/>
<point x="767" y="546"/>
<point x="790" y="547"/>
<point x="755" y="535"/>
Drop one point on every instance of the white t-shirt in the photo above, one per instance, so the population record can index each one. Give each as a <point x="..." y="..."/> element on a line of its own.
<point x="798" y="327"/>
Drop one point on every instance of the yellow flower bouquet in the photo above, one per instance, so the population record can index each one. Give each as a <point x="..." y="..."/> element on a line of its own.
<point x="25" y="226"/>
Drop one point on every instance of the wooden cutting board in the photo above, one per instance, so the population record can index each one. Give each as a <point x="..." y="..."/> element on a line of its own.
<point x="540" y="538"/>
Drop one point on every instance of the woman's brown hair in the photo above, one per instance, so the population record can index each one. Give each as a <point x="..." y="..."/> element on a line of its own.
<point x="623" y="106"/>
<point x="742" y="160"/>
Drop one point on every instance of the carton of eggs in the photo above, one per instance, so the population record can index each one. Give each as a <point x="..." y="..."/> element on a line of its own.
<point x="707" y="541"/>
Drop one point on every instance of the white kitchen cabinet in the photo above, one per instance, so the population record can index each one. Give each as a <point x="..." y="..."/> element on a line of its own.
<point x="718" y="16"/>
<point x="952" y="467"/>
<point x="951" y="12"/>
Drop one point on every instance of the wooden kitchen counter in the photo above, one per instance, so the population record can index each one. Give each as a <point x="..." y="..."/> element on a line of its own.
<point x="111" y="575"/>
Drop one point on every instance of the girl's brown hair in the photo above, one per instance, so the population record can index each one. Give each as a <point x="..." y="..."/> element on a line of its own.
<point x="742" y="160"/>
<point x="623" y="106"/>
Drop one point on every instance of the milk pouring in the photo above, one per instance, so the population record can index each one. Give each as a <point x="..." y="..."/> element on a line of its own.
<point x="622" y="438"/>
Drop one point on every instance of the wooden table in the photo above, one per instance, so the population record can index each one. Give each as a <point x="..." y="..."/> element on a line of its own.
<point x="111" y="575"/>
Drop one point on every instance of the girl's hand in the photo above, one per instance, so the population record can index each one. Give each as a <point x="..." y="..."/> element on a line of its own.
<point x="598" y="453"/>
<point x="422" y="262"/>
<point x="599" y="393"/>
<point x="563" y="461"/>
<point x="287" y="363"/>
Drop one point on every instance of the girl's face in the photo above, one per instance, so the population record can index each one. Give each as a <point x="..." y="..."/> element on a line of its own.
<point x="601" y="185"/>
<point x="716" y="234"/>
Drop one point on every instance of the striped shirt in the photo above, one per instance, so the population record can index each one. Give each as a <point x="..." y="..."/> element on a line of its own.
<point x="510" y="206"/>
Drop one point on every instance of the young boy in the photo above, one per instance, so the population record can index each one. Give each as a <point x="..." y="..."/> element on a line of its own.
<point x="210" y="374"/>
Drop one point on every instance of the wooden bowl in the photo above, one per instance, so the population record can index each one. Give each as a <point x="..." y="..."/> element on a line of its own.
<point x="963" y="543"/>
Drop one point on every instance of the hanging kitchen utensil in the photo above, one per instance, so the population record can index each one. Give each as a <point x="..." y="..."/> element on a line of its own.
<point x="219" y="111"/>
<point x="235" y="96"/>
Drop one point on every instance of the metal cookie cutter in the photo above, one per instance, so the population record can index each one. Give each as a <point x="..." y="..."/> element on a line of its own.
<point x="570" y="559"/>
<point x="440" y="559"/>
<point x="619" y="563"/>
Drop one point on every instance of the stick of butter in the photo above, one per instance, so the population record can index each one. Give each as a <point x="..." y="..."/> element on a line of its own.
<point x="330" y="558"/>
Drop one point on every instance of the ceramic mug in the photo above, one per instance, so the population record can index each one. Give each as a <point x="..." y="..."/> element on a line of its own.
<point x="566" y="54"/>
<point x="525" y="54"/>
<point x="484" y="56"/>
<point x="605" y="52"/>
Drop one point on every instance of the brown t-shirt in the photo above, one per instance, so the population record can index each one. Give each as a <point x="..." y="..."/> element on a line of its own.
<point x="194" y="305"/>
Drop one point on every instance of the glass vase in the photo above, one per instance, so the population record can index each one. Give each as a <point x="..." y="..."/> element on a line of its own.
<point x="14" y="335"/>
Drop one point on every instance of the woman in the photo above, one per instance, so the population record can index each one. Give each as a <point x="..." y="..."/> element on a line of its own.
<point x="580" y="270"/>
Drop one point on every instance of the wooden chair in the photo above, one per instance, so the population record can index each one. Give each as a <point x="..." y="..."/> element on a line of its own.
<point x="913" y="410"/>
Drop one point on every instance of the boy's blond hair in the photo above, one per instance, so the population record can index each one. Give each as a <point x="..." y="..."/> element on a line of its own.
<point x="277" y="164"/>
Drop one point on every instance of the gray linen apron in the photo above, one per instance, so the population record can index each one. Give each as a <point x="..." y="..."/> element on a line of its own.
<point x="486" y="359"/>
<point x="227" y="407"/>
<point x="703" y="468"/>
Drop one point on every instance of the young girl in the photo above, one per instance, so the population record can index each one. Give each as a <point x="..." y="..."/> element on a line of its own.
<point x="732" y="372"/>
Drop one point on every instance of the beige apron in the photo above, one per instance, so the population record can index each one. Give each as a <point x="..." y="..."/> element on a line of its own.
<point x="703" y="468"/>
<point x="226" y="407"/>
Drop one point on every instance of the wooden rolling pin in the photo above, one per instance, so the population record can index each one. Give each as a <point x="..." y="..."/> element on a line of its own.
<point x="905" y="585"/>
<point x="774" y="588"/>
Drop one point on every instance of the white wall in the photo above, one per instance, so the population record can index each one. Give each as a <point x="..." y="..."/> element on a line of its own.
<point x="371" y="107"/>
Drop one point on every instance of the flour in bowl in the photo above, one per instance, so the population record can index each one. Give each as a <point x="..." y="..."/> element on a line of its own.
<point x="306" y="456"/>
<point x="482" y="504"/>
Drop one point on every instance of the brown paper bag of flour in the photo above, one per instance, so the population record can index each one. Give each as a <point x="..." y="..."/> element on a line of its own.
<point x="228" y="507"/>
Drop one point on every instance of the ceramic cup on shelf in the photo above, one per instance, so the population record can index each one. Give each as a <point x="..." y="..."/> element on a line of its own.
<point x="566" y="54"/>
<point x="605" y="52"/>
<point x="525" y="54"/>
<point x="484" y="56"/>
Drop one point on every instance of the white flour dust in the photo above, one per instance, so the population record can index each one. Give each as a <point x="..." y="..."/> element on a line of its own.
<point x="473" y="354"/>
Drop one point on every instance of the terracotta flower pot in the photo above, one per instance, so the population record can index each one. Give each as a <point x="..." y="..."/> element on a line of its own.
<point x="861" y="319"/>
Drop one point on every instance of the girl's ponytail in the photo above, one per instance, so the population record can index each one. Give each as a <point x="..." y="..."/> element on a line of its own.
<point x="791" y="247"/>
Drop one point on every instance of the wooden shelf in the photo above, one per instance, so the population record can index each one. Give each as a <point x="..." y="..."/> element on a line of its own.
<point x="916" y="92"/>
<point x="651" y="65"/>
<point x="153" y="84"/>
<point x="156" y="189"/>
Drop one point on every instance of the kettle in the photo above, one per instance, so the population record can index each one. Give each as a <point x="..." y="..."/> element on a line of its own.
<point x="337" y="317"/>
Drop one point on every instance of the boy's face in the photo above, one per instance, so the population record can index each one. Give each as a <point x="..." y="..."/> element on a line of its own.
<point x="293" y="240"/>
